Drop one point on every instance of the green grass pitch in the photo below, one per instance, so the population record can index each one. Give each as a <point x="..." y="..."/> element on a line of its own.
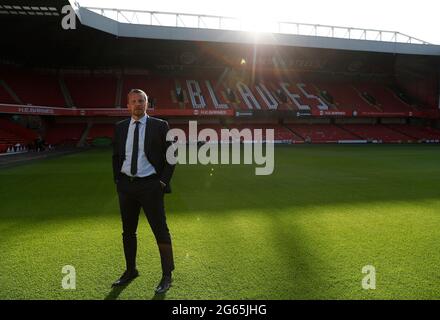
<point x="304" y="232"/>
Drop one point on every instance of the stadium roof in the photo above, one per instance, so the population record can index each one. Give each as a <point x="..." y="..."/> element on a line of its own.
<point x="35" y="8"/>
<point x="208" y="28"/>
<point x="32" y="37"/>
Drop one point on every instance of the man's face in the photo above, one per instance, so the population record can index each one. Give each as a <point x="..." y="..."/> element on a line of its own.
<point x="137" y="104"/>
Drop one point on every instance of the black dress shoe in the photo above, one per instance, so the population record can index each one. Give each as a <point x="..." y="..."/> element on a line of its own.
<point x="164" y="285"/>
<point x="126" y="278"/>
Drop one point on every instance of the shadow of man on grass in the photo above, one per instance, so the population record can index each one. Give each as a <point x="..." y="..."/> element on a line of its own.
<point x="116" y="291"/>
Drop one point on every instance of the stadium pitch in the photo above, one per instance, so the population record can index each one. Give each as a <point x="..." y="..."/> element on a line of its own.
<point x="304" y="232"/>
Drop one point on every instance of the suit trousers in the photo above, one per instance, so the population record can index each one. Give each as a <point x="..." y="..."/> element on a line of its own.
<point x="146" y="193"/>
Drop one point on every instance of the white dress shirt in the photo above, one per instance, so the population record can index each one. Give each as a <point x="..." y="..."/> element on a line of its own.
<point x="145" y="168"/>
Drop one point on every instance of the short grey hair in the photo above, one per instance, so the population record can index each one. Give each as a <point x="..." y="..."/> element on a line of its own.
<point x="138" y="91"/>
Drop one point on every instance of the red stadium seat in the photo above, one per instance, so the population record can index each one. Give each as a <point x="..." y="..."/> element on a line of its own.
<point x="90" y="91"/>
<point x="377" y="132"/>
<point x="64" y="133"/>
<point x="321" y="133"/>
<point x="35" y="89"/>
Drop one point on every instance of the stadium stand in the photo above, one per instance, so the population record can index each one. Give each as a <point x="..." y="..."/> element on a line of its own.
<point x="96" y="91"/>
<point x="35" y="89"/>
<point x="64" y="133"/>
<point x="92" y="91"/>
<point x="376" y="132"/>
<point x="417" y="132"/>
<point x="9" y="140"/>
<point x="385" y="97"/>
<point x="347" y="97"/>
<point x="281" y="133"/>
<point x="101" y="130"/>
<point x="222" y="84"/>
<point x="5" y="97"/>
<point x="321" y="133"/>
<point x="184" y="125"/>
<point x="12" y="134"/>
<point x="159" y="89"/>
<point x="100" y="91"/>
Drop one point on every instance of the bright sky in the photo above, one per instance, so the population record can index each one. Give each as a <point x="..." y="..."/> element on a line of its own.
<point x="419" y="19"/>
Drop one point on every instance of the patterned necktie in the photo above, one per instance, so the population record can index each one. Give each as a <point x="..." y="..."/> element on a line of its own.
<point x="134" y="154"/>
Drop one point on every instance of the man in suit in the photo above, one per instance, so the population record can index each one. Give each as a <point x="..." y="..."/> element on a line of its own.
<point x="142" y="176"/>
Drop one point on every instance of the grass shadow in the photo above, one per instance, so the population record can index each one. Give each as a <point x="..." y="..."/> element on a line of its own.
<point x="116" y="291"/>
<point x="159" y="296"/>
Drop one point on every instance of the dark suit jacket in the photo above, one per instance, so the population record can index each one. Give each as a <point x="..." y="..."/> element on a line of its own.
<point x="155" y="147"/>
